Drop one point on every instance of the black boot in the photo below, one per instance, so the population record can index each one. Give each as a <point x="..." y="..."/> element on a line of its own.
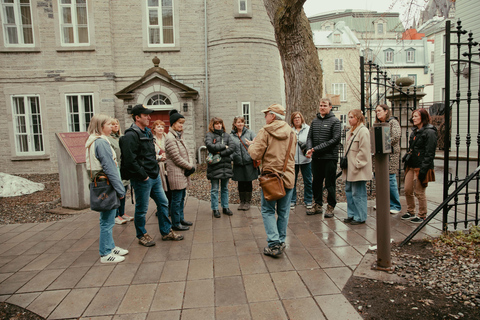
<point x="216" y="213"/>
<point x="248" y="199"/>
<point x="227" y="211"/>
<point x="242" y="201"/>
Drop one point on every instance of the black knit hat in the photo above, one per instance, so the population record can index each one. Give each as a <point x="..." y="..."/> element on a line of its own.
<point x="174" y="116"/>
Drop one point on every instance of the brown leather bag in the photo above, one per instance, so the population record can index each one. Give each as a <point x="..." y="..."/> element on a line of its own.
<point x="272" y="182"/>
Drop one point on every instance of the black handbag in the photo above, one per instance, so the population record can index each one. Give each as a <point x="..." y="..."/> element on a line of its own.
<point x="103" y="196"/>
<point x="344" y="160"/>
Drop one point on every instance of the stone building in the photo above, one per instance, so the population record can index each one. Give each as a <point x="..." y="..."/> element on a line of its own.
<point x="62" y="61"/>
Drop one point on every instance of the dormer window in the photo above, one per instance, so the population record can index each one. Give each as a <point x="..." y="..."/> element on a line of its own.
<point x="389" y="56"/>
<point x="380" y="28"/>
<point x="337" y="38"/>
<point x="410" y="55"/>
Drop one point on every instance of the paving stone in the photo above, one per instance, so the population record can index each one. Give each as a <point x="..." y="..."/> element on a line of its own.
<point x="81" y="244"/>
<point x="224" y="234"/>
<point x="137" y="299"/>
<point x="337" y="307"/>
<point x="64" y="260"/>
<point x="164" y="315"/>
<point x="200" y="269"/>
<point x="148" y="273"/>
<point x="5" y="259"/>
<point x="244" y="233"/>
<point x="74" y="304"/>
<point x="240" y="312"/>
<point x="16" y="281"/>
<point x="252" y="263"/>
<point x="168" y="296"/>
<point x="277" y="264"/>
<point x="41" y="281"/>
<point x="61" y="246"/>
<point x="69" y="278"/>
<point x="203" y="236"/>
<point x="348" y="255"/>
<point x="229" y="291"/>
<point x="259" y="287"/>
<point x="301" y="259"/>
<point x="226" y="266"/>
<point x="96" y="276"/>
<point x="6" y="246"/>
<point x="155" y="254"/>
<point x="202" y="250"/>
<point x="318" y="282"/>
<point x="40" y="247"/>
<point x="289" y="285"/>
<point x="106" y="301"/>
<point x="174" y="271"/>
<point x="22" y="236"/>
<point x="180" y="251"/>
<point x="47" y="301"/>
<point x="326" y="258"/>
<point x="339" y="275"/>
<point x="122" y="274"/>
<point x="268" y="310"/>
<point x="23" y="299"/>
<point x="199" y="294"/>
<point x="136" y="316"/>
<point x="197" y="314"/>
<point x="305" y="309"/>
<point x="41" y="262"/>
<point x="86" y="259"/>
<point x="18" y="263"/>
<point x="246" y="247"/>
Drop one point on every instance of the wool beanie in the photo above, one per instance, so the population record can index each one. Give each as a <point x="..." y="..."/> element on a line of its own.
<point x="174" y="116"/>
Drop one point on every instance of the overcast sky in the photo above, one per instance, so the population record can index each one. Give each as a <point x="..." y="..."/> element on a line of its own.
<point x="313" y="7"/>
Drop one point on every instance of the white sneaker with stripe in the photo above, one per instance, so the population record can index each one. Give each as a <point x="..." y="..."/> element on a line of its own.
<point x="111" y="258"/>
<point x="119" y="251"/>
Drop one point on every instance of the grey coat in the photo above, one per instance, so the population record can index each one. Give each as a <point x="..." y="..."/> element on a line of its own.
<point x="243" y="169"/>
<point x="178" y="160"/>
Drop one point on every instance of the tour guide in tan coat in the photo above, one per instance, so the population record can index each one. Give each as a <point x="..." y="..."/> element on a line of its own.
<point x="270" y="146"/>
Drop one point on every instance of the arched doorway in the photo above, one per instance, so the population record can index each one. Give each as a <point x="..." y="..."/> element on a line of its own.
<point x="159" y="101"/>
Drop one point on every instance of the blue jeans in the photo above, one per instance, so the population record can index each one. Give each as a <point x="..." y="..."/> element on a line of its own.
<point x="356" y="192"/>
<point x="223" y="193"/>
<point x="394" y="196"/>
<point x="276" y="228"/>
<point x="143" y="191"/>
<point x="307" y="183"/>
<point x="121" y="210"/>
<point x="107" y="221"/>
<point x="176" y="207"/>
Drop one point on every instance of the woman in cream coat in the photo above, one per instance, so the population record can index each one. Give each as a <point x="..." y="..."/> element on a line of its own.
<point x="359" y="169"/>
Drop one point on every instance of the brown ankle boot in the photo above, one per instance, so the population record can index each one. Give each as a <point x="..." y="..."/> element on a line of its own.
<point x="248" y="199"/>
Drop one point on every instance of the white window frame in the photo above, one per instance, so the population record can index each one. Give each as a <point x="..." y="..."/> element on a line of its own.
<point x="17" y="24"/>
<point x="84" y="115"/>
<point x="159" y="10"/>
<point x="337" y="38"/>
<point x="247" y="113"/>
<point x="339" y="65"/>
<point x="389" y="56"/>
<point x="245" y="5"/>
<point x="24" y="126"/>
<point x="414" y="78"/>
<point x="340" y="89"/>
<point x="410" y="55"/>
<point x="162" y="102"/>
<point x="380" y="25"/>
<point x="74" y="25"/>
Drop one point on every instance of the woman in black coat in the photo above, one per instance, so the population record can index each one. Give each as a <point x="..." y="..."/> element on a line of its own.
<point x="243" y="170"/>
<point x="419" y="164"/>
<point x="220" y="143"/>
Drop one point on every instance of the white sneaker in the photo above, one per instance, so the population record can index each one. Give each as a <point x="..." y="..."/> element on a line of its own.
<point x="309" y="206"/>
<point x="111" y="258"/>
<point x="395" y="211"/>
<point x="119" y="220"/>
<point x="126" y="217"/>
<point x="119" y="251"/>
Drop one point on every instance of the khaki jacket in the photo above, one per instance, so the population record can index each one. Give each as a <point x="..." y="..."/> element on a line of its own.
<point x="359" y="157"/>
<point x="271" y="146"/>
<point x="178" y="160"/>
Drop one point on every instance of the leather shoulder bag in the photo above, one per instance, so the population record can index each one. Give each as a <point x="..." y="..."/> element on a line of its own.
<point x="272" y="182"/>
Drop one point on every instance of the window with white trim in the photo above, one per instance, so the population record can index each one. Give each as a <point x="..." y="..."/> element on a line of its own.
<point x="389" y="56"/>
<point x="160" y="23"/>
<point x="380" y="28"/>
<point x="246" y="113"/>
<point x="242" y="6"/>
<point x="411" y="56"/>
<point x="337" y="38"/>
<point x="414" y="78"/>
<point x="79" y="111"/>
<point x="27" y="121"/>
<point x="17" y="23"/>
<point x="338" y="64"/>
<point x="73" y="22"/>
<point x="158" y="100"/>
<point x="340" y="89"/>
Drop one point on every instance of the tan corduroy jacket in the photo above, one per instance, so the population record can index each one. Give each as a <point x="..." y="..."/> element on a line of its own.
<point x="271" y="144"/>
<point x="178" y="160"/>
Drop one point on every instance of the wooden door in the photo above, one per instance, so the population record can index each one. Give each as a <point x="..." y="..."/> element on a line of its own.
<point x="160" y="115"/>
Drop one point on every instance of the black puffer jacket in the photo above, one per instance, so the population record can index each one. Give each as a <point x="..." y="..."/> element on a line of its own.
<point x="138" y="154"/>
<point x="424" y="142"/>
<point x="213" y="141"/>
<point x="324" y="137"/>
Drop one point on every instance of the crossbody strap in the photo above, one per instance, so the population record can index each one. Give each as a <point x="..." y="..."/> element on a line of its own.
<point x="351" y="143"/>
<point x="288" y="152"/>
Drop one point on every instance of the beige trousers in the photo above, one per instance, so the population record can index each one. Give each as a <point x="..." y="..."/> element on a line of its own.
<point x="413" y="186"/>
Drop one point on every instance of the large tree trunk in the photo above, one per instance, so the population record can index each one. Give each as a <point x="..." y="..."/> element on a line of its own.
<point x="301" y="66"/>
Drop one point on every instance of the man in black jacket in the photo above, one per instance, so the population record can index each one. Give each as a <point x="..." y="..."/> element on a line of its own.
<point x="322" y="145"/>
<point x="139" y="165"/>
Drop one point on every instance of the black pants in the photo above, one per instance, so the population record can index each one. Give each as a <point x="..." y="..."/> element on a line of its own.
<point x="245" y="186"/>
<point x="324" y="170"/>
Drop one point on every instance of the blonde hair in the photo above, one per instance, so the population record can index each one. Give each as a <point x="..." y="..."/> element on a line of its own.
<point x="357" y="113"/>
<point x="116" y="121"/>
<point x="174" y="127"/>
<point x="97" y="122"/>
